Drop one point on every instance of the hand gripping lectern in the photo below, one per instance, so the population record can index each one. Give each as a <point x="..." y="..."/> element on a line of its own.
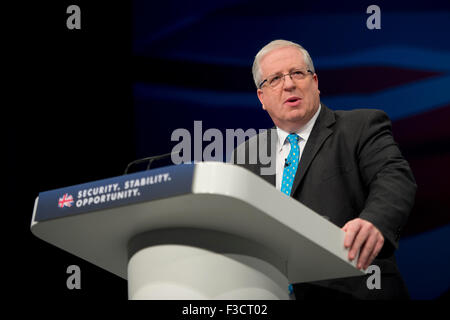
<point x="208" y="230"/>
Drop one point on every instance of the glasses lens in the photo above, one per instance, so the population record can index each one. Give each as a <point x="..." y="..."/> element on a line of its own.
<point x="297" y="74"/>
<point x="274" y="80"/>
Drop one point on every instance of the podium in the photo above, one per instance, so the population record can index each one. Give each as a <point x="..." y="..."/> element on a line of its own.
<point x="208" y="230"/>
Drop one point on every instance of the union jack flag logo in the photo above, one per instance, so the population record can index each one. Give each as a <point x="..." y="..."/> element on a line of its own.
<point x="65" y="201"/>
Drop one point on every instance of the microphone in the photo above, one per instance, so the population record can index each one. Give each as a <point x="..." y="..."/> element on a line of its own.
<point x="286" y="163"/>
<point x="149" y="159"/>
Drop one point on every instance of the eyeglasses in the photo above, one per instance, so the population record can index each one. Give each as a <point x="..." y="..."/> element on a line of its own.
<point x="275" y="80"/>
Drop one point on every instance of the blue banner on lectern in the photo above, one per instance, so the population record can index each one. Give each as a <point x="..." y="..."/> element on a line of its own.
<point x="113" y="192"/>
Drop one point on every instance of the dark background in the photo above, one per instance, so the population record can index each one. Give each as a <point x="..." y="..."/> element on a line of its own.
<point x="86" y="102"/>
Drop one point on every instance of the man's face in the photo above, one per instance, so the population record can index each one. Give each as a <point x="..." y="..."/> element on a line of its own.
<point x="293" y="102"/>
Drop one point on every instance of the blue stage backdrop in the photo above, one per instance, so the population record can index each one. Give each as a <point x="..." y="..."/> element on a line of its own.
<point x="192" y="62"/>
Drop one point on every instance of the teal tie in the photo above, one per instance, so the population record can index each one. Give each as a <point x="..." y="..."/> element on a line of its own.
<point x="289" y="174"/>
<point x="291" y="164"/>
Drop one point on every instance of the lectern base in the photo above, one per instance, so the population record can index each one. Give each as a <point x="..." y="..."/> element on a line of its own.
<point x="180" y="272"/>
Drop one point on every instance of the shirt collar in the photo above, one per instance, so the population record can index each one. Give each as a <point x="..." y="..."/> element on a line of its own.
<point x="303" y="132"/>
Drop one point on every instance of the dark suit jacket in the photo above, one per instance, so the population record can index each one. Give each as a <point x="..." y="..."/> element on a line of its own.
<point x="351" y="167"/>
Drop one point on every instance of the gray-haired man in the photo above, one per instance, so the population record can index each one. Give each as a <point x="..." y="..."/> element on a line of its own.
<point x="348" y="168"/>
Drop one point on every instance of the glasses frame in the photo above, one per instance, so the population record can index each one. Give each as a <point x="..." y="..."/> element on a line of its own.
<point x="283" y="76"/>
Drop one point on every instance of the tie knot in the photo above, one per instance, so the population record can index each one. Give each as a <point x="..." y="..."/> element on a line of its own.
<point x="293" y="138"/>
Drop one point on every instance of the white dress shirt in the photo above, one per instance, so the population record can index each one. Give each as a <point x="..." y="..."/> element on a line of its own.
<point x="284" y="147"/>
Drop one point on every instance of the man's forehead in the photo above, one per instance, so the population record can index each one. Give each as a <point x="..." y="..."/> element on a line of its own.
<point x="280" y="59"/>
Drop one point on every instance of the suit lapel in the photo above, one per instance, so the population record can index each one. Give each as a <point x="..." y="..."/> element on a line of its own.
<point x="319" y="134"/>
<point x="269" y="135"/>
<point x="270" y="179"/>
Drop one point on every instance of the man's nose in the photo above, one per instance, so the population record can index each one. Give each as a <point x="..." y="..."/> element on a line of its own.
<point x="288" y="83"/>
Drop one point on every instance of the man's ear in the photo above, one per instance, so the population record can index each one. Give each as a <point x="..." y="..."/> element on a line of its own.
<point x="316" y="80"/>
<point x="260" y="94"/>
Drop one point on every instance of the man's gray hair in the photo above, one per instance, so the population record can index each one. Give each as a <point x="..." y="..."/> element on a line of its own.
<point x="276" y="44"/>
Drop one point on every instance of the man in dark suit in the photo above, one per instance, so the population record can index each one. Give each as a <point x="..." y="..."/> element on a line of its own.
<point x="343" y="165"/>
